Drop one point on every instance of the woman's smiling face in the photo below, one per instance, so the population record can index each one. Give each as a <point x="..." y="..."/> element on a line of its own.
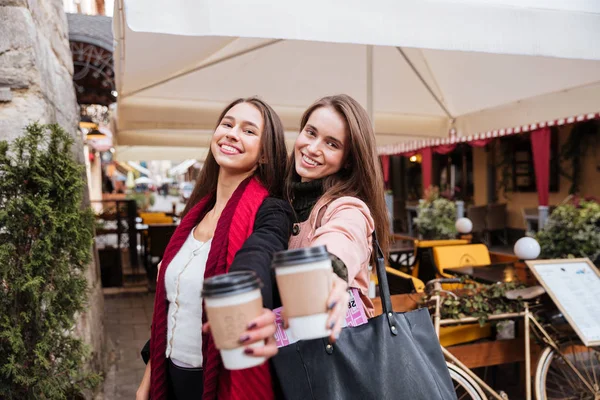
<point x="320" y="149"/>
<point x="236" y="141"/>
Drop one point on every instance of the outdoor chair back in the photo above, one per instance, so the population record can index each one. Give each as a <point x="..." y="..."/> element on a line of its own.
<point x="403" y="283"/>
<point x="478" y="215"/>
<point x="423" y="267"/>
<point x="158" y="238"/>
<point x="470" y="255"/>
<point x="496" y="217"/>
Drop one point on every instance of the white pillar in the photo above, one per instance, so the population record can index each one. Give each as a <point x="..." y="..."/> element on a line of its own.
<point x="542" y="217"/>
<point x="460" y="209"/>
<point x="389" y="202"/>
<point x="370" y="84"/>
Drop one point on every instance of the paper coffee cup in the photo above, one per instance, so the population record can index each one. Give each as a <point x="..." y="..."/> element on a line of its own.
<point x="231" y="302"/>
<point x="304" y="282"/>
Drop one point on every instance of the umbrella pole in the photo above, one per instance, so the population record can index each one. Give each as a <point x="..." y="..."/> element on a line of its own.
<point x="370" y="84"/>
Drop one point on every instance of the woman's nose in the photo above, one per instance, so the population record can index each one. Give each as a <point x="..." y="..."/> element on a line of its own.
<point x="233" y="133"/>
<point x="313" y="147"/>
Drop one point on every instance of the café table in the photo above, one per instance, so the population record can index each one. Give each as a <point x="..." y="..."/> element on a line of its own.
<point x="495" y="273"/>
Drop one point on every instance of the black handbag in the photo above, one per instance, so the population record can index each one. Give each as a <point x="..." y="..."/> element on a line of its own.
<point x="393" y="356"/>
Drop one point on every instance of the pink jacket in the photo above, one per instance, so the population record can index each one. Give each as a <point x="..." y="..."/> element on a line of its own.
<point x="345" y="228"/>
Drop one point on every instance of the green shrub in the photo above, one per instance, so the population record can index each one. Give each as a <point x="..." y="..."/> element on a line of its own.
<point x="436" y="216"/>
<point x="45" y="242"/>
<point x="143" y="200"/>
<point x="572" y="230"/>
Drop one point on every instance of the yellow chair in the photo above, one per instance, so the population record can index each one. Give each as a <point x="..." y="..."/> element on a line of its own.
<point x="437" y="243"/>
<point x="155" y="218"/>
<point x="402" y="283"/>
<point x="470" y="255"/>
<point x="460" y="334"/>
<point x="447" y="258"/>
<point x="423" y="266"/>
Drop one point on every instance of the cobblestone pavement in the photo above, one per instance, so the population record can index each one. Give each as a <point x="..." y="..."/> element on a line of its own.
<point x="127" y="328"/>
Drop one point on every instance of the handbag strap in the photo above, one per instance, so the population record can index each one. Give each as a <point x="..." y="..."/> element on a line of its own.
<point x="384" y="289"/>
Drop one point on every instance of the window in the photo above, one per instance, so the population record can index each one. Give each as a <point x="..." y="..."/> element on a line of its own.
<point x="523" y="170"/>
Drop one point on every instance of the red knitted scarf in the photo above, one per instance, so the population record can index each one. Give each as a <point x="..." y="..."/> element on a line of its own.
<point x="233" y="228"/>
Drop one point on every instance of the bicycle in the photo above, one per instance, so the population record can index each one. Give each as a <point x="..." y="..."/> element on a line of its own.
<point x="566" y="368"/>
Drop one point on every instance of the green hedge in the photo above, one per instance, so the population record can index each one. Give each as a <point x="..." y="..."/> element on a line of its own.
<point x="45" y="242"/>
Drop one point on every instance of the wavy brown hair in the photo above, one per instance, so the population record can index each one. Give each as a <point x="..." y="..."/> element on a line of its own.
<point x="272" y="149"/>
<point x="361" y="175"/>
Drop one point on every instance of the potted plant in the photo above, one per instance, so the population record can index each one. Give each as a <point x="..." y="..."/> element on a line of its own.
<point x="477" y="301"/>
<point x="572" y="230"/>
<point x="436" y="216"/>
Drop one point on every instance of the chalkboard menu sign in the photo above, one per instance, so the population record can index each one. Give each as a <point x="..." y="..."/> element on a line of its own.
<point x="574" y="286"/>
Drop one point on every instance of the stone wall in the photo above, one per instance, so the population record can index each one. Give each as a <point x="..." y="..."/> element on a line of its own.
<point x="36" y="84"/>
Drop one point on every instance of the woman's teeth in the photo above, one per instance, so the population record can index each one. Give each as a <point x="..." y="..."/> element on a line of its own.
<point x="229" y="148"/>
<point x="309" y="161"/>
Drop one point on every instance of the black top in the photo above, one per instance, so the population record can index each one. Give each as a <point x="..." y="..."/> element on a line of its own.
<point x="305" y="196"/>
<point x="272" y="230"/>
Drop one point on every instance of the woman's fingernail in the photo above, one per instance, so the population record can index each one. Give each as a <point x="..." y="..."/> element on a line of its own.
<point x="331" y="325"/>
<point x="244" y="338"/>
<point x="248" y="351"/>
<point x="337" y="335"/>
<point x="252" y="325"/>
<point x="332" y="304"/>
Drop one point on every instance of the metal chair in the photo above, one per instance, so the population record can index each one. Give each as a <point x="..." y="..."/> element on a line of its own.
<point x="157" y="241"/>
<point x="495" y="222"/>
<point x="478" y="216"/>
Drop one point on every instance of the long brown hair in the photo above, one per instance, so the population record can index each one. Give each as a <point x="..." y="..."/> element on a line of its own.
<point x="361" y="176"/>
<point x="272" y="156"/>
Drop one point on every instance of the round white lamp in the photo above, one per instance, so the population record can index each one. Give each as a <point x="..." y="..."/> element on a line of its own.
<point x="527" y="248"/>
<point x="464" y="225"/>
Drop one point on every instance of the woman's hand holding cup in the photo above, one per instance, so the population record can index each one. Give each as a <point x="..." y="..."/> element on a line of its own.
<point x="260" y="329"/>
<point x="314" y="298"/>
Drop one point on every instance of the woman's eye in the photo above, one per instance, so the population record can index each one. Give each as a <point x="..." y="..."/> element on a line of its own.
<point x="332" y="144"/>
<point x="249" y="132"/>
<point x="226" y="124"/>
<point x="310" y="133"/>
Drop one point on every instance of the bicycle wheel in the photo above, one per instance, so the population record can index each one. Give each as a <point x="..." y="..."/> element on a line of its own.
<point x="466" y="388"/>
<point x="554" y="379"/>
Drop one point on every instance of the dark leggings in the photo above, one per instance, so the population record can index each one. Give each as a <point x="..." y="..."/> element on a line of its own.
<point x="185" y="383"/>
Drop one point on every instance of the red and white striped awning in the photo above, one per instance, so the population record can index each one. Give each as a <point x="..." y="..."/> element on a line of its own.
<point x="415" y="145"/>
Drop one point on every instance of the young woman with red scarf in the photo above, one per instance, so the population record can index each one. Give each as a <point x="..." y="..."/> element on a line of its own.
<point x="233" y="221"/>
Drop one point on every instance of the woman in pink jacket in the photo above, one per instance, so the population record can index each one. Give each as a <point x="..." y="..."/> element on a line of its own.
<point x="335" y="184"/>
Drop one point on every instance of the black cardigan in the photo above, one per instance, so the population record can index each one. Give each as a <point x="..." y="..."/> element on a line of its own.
<point x="272" y="230"/>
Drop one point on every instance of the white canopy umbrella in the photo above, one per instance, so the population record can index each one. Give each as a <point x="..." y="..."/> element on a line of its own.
<point x="144" y="181"/>
<point x="182" y="168"/>
<point x="420" y="67"/>
<point x="142" y="151"/>
<point x="139" y="168"/>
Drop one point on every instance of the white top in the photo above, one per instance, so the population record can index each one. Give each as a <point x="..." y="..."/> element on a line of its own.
<point x="183" y="282"/>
